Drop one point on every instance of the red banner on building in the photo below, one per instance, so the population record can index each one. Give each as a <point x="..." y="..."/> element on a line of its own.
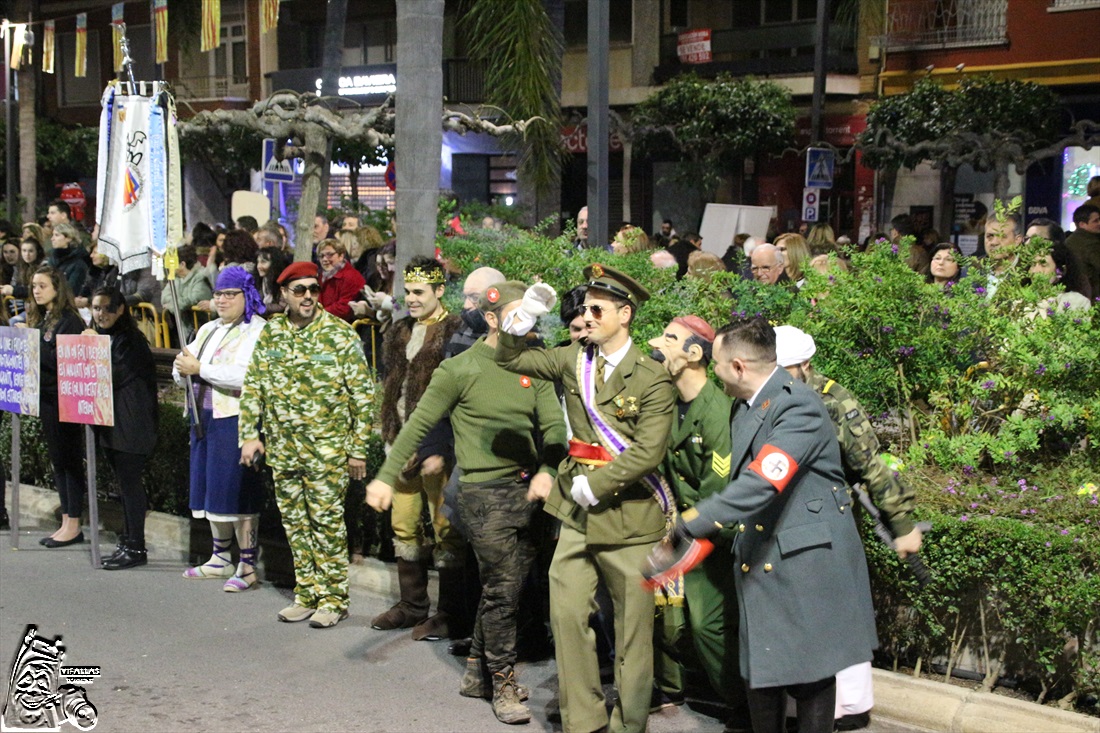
<point x="693" y="47"/>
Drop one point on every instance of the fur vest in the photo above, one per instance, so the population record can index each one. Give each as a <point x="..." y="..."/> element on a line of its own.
<point x="418" y="371"/>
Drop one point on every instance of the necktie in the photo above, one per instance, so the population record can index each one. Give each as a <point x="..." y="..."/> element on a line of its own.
<point x="601" y="364"/>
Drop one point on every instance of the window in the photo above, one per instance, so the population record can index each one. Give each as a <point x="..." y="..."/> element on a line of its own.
<point x="230" y="59"/>
<point x="621" y="29"/>
<point x="71" y="90"/>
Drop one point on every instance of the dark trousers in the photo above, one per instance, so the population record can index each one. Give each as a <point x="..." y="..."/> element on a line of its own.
<point x="65" y="445"/>
<point x="128" y="468"/>
<point x="815" y="702"/>
<point x="497" y="516"/>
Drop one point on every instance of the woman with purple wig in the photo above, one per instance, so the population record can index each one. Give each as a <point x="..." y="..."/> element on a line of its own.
<point x="223" y="491"/>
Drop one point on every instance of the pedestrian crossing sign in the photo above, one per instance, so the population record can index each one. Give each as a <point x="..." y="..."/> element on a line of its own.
<point x="819" y="167"/>
<point x="276" y="170"/>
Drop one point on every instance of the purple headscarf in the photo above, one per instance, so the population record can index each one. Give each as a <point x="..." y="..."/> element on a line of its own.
<point x="238" y="277"/>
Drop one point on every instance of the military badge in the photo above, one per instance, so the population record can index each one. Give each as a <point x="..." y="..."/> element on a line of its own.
<point x="493" y="295"/>
<point x="597" y="271"/>
<point x="525" y="381"/>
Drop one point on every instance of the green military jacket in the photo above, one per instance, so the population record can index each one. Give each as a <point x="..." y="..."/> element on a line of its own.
<point x="309" y="392"/>
<point x="859" y="450"/>
<point x="698" y="460"/>
<point x="638" y="402"/>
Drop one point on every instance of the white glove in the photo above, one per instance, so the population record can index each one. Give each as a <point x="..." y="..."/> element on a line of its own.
<point x="582" y="492"/>
<point x="538" y="300"/>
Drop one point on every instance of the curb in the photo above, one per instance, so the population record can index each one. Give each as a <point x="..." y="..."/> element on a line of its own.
<point x="934" y="706"/>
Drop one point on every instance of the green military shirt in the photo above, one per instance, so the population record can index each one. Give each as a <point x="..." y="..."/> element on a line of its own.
<point x="495" y="415"/>
<point x="698" y="460"/>
<point x="308" y="390"/>
<point x="859" y="449"/>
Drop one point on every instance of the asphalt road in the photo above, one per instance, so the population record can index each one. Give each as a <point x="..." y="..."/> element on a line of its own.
<point x="182" y="655"/>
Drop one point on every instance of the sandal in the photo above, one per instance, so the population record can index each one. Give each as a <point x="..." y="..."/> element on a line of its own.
<point x="238" y="583"/>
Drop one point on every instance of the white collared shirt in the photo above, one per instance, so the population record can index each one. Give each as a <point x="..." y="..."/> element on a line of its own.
<point x="757" y="392"/>
<point x="612" y="360"/>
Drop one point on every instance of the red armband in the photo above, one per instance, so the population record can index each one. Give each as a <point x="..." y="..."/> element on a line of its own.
<point x="775" y="466"/>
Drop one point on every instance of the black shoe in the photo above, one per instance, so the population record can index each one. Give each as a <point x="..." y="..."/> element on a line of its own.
<point x="130" y="557"/>
<point x="5" y="520"/>
<point x="120" y="548"/>
<point x="853" y="722"/>
<point x="460" y="647"/>
<point x="51" y="542"/>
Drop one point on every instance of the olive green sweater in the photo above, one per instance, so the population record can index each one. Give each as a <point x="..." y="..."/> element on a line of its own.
<point x="495" y="415"/>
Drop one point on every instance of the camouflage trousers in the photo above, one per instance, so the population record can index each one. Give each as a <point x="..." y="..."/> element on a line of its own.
<point x="312" y="507"/>
<point x="498" y="516"/>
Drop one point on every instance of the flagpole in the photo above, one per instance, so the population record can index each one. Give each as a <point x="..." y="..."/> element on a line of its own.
<point x="192" y="405"/>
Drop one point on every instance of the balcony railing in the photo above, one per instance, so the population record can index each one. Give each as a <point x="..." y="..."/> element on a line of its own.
<point x="464" y="81"/>
<point x="918" y="24"/>
<point x="211" y="87"/>
<point x="765" y="50"/>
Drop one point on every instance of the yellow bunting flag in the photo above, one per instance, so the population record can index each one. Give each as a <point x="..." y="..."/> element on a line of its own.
<point x="81" y="66"/>
<point x="160" y="20"/>
<point x="269" y="15"/>
<point x="18" y="33"/>
<point x="211" y="25"/>
<point x="118" y="26"/>
<point x="47" y="47"/>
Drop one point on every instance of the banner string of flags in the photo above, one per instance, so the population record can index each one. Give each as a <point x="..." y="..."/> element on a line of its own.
<point x="158" y="9"/>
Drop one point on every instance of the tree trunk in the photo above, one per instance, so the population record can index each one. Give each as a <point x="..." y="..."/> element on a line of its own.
<point x="1000" y="182"/>
<point x="353" y="178"/>
<point x="28" y="161"/>
<point x="418" y="136"/>
<point x="331" y="64"/>
<point x="946" y="222"/>
<point x="315" y="161"/>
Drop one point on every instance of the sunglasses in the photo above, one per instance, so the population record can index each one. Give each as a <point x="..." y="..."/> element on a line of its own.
<point x="300" y="290"/>
<point x="597" y="310"/>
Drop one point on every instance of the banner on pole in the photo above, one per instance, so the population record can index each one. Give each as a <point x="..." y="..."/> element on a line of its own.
<point x="269" y="15"/>
<point x="160" y="21"/>
<point x="84" y="388"/>
<point x="80" y="69"/>
<point x="48" y="46"/>
<point x="118" y="24"/>
<point x="19" y="370"/>
<point x="138" y="192"/>
<point x="18" y="33"/>
<point x="211" y="25"/>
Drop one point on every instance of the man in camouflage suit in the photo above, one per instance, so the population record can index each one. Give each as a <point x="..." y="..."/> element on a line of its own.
<point x="860" y="453"/>
<point x="308" y="393"/>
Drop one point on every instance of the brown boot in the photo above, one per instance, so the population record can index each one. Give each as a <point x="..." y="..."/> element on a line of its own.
<point x="412" y="577"/>
<point x="506" y="700"/>
<point x="449" y="620"/>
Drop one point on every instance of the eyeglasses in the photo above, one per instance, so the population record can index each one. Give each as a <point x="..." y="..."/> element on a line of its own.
<point x="327" y="255"/>
<point x="597" y="310"/>
<point x="227" y="293"/>
<point x="299" y="290"/>
<point x="764" y="268"/>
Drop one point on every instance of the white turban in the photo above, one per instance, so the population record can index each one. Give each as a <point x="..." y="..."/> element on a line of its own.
<point x="793" y="346"/>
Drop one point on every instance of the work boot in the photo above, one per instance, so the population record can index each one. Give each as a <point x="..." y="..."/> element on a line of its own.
<point x="449" y="620"/>
<point x="133" y="555"/>
<point x="475" y="680"/>
<point x="506" y="703"/>
<point x="412" y="578"/>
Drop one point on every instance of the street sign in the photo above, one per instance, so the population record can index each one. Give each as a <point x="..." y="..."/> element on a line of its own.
<point x="275" y="171"/>
<point x="819" y="167"/>
<point x="391" y="176"/>
<point x="810" y="204"/>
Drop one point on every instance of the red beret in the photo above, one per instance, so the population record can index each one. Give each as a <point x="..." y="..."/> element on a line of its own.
<point x="298" y="270"/>
<point x="697" y="326"/>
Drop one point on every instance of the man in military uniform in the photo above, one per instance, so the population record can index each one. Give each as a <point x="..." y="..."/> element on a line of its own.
<point x="609" y="495"/>
<point x="799" y="561"/>
<point x="860" y="452"/>
<point x="502" y="476"/>
<point x="308" y="392"/>
<point x="413" y="348"/>
<point x="697" y="465"/>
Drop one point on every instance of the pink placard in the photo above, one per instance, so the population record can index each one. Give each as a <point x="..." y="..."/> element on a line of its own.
<point x="84" y="388"/>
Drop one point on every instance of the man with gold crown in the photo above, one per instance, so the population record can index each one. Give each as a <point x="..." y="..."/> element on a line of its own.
<point x="412" y="350"/>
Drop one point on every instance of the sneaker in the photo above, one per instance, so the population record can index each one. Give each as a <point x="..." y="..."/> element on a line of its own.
<point x="294" y="614"/>
<point x="327" y="619"/>
<point x="506" y="703"/>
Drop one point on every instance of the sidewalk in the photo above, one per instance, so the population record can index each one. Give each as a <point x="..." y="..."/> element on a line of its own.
<point x="183" y="655"/>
